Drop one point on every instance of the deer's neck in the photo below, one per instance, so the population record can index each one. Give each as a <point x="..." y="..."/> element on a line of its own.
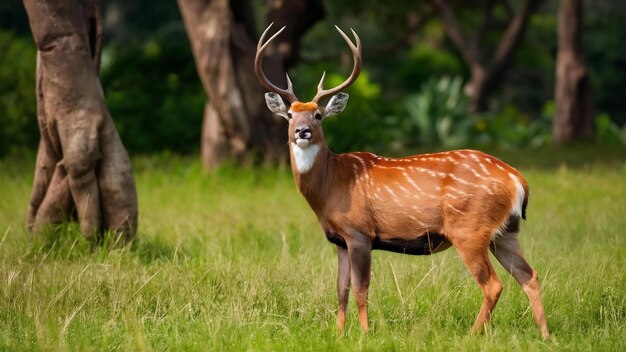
<point x="313" y="169"/>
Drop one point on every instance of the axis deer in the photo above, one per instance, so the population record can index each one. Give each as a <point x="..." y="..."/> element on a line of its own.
<point x="418" y="205"/>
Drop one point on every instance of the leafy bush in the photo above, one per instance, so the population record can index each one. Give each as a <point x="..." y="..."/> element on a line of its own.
<point x="510" y="128"/>
<point x="152" y="92"/>
<point x="438" y="117"/>
<point x="607" y="131"/>
<point x="18" y="105"/>
<point x="604" y="35"/>
<point x="366" y="123"/>
<point x="423" y="62"/>
<point x="438" y="114"/>
<point x="154" y="95"/>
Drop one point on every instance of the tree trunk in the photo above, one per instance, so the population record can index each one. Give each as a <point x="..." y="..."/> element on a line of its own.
<point x="237" y="123"/>
<point x="82" y="169"/>
<point x="572" y="92"/>
<point x="487" y="68"/>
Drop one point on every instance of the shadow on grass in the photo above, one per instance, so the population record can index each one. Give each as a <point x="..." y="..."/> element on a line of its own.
<point x="59" y="241"/>
<point x="65" y="242"/>
<point x="153" y="249"/>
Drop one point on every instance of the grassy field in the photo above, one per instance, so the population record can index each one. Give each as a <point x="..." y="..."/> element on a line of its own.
<point x="234" y="260"/>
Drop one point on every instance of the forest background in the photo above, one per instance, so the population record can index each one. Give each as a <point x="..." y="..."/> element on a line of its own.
<point x="228" y="256"/>
<point x="410" y="94"/>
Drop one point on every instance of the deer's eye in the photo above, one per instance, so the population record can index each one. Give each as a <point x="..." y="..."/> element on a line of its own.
<point x="318" y="116"/>
<point x="289" y="115"/>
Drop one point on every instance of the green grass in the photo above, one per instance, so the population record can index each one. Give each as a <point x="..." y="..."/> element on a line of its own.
<point x="235" y="260"/>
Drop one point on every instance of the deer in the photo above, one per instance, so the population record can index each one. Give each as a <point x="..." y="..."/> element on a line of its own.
<point x="417" y="205"/>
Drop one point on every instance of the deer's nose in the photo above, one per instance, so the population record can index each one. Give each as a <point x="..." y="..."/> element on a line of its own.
<point x="304" y="132"/>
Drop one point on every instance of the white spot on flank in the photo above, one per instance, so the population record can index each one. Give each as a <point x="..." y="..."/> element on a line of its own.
<point x="455" y="209"/>
<point x="484" y="169"/>
<point x="305" y="157"/>
<point x="462" y="181"/>
<point x="402" y="188"/>
<point x="461" y="154"/>
<point x="362" y="162"/>
<point x="470" y="169"/>
<point x="399" y="168"/>
<point x="426" y="171"/>
<point x="356" y="170"/>
<point x="412" y="183"/>
<point x="519" y="197"/>
<point x="458" y="191"/>
<point x="450" y="195"/>
<point x="357" y="158"/>
<point x="390" y="191"/>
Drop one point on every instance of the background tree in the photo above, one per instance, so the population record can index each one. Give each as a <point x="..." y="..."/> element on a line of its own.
<point x="156" y="99"/>
<point x="488" y="59"/>
<point x="223" y="40"/>
<point x="82" y="169"/>
<point x="572" y="93"/>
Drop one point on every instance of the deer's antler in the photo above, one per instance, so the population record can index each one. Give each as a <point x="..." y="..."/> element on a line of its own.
<point x="258" y="68"/>
<point x="356" y="69"/>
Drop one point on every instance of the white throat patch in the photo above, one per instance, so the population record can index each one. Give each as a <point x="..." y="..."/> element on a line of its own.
<point x="304" y="157"/>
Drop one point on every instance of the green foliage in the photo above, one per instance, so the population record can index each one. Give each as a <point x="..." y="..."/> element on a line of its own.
<point x="604" y="34"/>
<point x="512" y="129"/>
<point x="154" y="95"/>
<point x="366" y="123"/>
<point x="390" y="19"/>
<point x="438" y="114"/>
<point x="530" y="81"/>
<point x="156" y="99"/>
<point x="607" y="131"/>
<point x="422" y="63"/>
<point x="18" y="106"/>
<point x="234" y="260"/>
<point x="152" y="92"/>
<point x="438" y="117"/>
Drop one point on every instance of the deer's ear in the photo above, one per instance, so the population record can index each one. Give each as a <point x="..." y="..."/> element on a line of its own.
<point x="276" y="104"/>
<point x="336" y="104"/>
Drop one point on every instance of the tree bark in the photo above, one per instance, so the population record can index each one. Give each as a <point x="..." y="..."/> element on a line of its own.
<point x="487" y="69"/>
<point x="237" y="123"/>
<point x="572" y="92"/>
<point x="82" y="169"/>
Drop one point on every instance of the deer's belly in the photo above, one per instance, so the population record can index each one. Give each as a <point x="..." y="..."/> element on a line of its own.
<point x="333" y="237"/>
<point x="424" y="244"/>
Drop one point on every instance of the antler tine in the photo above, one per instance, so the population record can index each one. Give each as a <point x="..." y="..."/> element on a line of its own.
<point x="320" y="86"/>
<point x="356" y="69"/>
<point x="258" y="68"/>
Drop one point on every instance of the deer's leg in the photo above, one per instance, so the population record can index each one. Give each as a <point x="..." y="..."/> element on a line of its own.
<point x="343" y="285"/>
<point x="360" y="253"/>
<point x="508" y="252"/>
<point x="476" y="258"/>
